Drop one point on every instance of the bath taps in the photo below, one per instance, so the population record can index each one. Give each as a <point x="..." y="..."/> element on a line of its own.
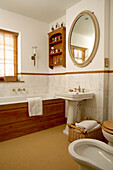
<point x="19" y="89"/>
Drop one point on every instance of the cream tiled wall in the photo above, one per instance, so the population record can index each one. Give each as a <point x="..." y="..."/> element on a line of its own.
<point x="34" y="84"/>
<point x="99" y="83"/>
<point x="110" y="97"/>
<point x="91" y="82"/>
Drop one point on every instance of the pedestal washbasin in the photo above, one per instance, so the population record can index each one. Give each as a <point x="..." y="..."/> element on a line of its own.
<point x="73" y="110"/>
<point x="75" y="96"/>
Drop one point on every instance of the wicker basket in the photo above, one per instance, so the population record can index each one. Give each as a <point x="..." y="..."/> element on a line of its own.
<point x="78" y="133"/>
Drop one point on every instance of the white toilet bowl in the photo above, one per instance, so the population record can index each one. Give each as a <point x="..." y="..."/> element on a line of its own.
<point x="109" y="137"/>
<point x="92" y="154"/>
<point x="107" y="130"/>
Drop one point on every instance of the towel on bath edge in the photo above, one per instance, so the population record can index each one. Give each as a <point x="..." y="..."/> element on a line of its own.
<point x="87" y="124"/>
<point x="35" y="106"/>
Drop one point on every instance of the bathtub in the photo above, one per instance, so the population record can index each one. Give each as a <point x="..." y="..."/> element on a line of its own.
<point x="23" y="99"/>
<point x="15" y="120"/>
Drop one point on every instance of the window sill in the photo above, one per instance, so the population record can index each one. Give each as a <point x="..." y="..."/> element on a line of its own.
<point x="11" y="81"/>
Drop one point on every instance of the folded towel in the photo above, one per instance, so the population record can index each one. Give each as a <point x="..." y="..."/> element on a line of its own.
<point x="98" y="125"/>
<point x="35" y="106"/>
<point x="87" y="124"/>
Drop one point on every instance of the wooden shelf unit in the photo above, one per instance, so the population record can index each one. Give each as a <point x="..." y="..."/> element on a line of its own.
<point x="57" y="47"/>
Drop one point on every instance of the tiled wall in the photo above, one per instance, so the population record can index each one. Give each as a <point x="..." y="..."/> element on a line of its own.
<point x="110" y="98"/>
<point x="93" y="82"/>
<point x="33" y="84"/>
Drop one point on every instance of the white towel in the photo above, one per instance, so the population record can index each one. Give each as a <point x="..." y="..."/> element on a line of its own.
<point x="87" y="124"/>
<point x="35" y="106"/>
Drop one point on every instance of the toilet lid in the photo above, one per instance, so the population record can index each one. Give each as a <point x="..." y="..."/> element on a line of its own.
<point x="108" y="126"/>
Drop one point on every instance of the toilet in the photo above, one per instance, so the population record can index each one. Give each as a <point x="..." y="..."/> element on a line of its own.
<point x="91" y="154"/>
<point x="107" y="130"/>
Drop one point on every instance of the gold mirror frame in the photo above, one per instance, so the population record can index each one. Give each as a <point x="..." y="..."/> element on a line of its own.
<point x="96" y="41"/>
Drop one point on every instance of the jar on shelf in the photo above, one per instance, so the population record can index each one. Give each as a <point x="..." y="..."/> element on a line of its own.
<point x="56" y="38"/>
<point x="56" y="50"/>
<point x="61" y="49"/>
<point x="53" y="39"/>
<point x="60" y="37"/>
<point x="55" y="60"/>
<point x="52" y="50"/>
<point x="60" y="60"/>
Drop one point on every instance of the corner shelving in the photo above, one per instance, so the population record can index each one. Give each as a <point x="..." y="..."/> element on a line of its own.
<point x="57" y="47"/>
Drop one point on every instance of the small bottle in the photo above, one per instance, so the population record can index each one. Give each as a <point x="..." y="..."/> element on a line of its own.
<point x="62" y="24"/>
<point x="53" y="39"/>
<point x="57" y="25"/>
<point x="56" y="38"/>
<point x="52" y="28"/>
<point x="55" y="61"/>
<point x="61" y="49"/>
<point x="56" y="51"/>
<point x="52" y="50"/>
<point x="60" y="60"/>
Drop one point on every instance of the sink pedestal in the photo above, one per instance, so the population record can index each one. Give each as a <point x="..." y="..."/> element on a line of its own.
<point x="73" y="114"/>
<point x="73" y="110"/>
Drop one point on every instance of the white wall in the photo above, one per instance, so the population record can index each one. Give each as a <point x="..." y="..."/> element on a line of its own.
<point x="110" y="99"/>
<point x="33" y="33"/>
<point x="91" y="82"/>
<point x="98" y="8"/>
<point x="59" y="21"/>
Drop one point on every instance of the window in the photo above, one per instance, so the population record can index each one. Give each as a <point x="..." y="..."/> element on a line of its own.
<point x="78" y="53"/>
<point x="8" y="53"/>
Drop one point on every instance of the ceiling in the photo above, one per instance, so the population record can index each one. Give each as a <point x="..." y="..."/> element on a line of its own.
<point x="43" y="10"/>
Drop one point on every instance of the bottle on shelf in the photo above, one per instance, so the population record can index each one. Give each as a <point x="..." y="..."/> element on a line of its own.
<point x="61" y="49"/>
<point x="56" y="39"/>
<point x="52" y="50"/>
<point x="57" y="47"/>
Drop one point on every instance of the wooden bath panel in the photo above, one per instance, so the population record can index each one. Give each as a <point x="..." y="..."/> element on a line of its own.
<point x="15" y="121"/>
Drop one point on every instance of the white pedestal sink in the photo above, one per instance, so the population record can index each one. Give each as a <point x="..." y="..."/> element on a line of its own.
<point x="73" y="110"/>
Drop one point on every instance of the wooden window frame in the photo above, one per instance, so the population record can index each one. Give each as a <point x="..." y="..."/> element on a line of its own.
<point x="80" y="49"/>
<point x="12" y="78"/>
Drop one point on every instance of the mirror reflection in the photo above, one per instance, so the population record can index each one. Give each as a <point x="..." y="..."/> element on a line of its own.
<point x="82" y="38"/>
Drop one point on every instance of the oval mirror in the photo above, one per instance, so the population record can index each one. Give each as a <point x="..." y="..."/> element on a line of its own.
<point x="83" y="38"/>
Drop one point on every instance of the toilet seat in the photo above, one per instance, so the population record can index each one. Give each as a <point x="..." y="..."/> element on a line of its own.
<point x="108" y="126"/>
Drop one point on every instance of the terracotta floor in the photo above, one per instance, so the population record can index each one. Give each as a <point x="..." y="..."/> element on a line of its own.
<point x="44" y="150"/>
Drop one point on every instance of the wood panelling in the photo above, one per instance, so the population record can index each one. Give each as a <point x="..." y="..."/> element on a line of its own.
<point x="15" y="121"/>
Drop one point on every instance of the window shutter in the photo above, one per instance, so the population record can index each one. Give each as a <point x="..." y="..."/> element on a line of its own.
<point x="8" y="53"/>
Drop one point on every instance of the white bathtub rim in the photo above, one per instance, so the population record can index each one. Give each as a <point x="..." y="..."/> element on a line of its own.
<point x="23" y="99"/>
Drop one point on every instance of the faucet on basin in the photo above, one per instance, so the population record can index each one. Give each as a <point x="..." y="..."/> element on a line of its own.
<point x="79" y="89"/>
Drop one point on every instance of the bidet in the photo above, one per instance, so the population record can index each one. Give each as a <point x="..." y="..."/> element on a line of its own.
<point x="92" y="154"/>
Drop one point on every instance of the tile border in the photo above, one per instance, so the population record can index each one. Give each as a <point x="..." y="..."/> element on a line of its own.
<point x="67" y="73"/>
